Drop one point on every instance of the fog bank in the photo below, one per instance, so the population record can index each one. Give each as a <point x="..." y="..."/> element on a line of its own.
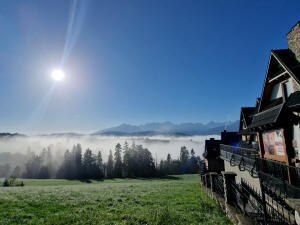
<point x="159" y="146"/>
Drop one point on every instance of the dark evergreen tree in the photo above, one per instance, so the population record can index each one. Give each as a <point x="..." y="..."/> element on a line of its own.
<point x="194" y="165"/>
<point x="110" y="166"/>
<point x="144" y="166"/>
<point x="162" y="168"/>
<point x="118" y="168"/>
<point x="128" y="160"/>
<point x="32" y="167"/>
<point x="184" y="158"/>
<point x="100" y="165"/>
<point x="169" y="164"/>
<point x="89" y="165"/>
<point x="65" y="170"/>
<point x="16" y="172"/>
<point x="77" y="164"/>
<point x="44" y="173"/>
<point x="49" y="162"/>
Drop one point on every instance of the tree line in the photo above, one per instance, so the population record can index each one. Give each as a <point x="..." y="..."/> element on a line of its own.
<point x="125" y="161"/>
<point x="188" y="163"/>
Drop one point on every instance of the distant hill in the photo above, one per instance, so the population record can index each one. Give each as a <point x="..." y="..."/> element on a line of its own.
<point x="68" y="134"/>
<point x="168" y="128"/>
<point x="7" y="135"/>
<point x="151" y="129"/>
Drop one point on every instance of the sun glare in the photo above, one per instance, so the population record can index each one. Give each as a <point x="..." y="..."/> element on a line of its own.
<point x="58" y="75"/>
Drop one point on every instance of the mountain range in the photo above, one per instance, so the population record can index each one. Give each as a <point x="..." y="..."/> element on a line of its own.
<point x="168" y="128"/>
<point x="150" y="129"/>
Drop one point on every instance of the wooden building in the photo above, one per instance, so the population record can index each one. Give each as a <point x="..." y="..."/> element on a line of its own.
<point x="277" y="120"/>
<point x="266" y="161"/>
<point x="248" y="136"/>
<point x="212" y="156"/>
<point x="270" y="131"/>
<point x="211" y="153"/>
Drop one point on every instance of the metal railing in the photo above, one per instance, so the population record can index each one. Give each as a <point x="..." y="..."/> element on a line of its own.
<point x="219" y="185"/>
<point x="249" y="146"/>
<point x="247" y="152"/>
<point x="263" y="207"/>
<point x="284" y="179"/>
<point x="253" y="204"/>
<point x="248" y="204"/>
<point x="277" y="211"/>
<point x="244" y="158"/>
<point x="279" y="170"/>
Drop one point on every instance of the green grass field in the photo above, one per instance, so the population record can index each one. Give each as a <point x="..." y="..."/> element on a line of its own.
<point x="179" y="200"/>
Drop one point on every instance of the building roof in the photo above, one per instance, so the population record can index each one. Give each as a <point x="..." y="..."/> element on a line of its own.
<point x="247" y="113"/>
<point x="278" y="113"/>
<point x="246" y="117"/>
<point x="289" y="61"/>
<point x="293" y="101"/>
<point x="269" y="116"/>
<point x="271" y="103"/>
<point x="282" y="62"/>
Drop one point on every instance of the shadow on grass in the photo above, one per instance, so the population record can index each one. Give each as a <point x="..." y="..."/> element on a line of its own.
<point x="168" y="177"/>
<point x="88" y="181"/>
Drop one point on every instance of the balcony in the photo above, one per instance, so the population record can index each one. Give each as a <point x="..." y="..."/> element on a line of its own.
<point x="244" y="158"/>
<point x="281" y="178"/>
<point x="275" y="176"/>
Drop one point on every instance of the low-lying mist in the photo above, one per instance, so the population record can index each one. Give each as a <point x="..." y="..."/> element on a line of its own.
<point x="159" y="146"/>
<point x="55" y="156"/>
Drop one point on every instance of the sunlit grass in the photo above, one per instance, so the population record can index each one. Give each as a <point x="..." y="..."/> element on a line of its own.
<point x="120" y="201"/>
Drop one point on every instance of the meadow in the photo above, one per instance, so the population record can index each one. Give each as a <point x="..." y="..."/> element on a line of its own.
<point x="172" y="200"/>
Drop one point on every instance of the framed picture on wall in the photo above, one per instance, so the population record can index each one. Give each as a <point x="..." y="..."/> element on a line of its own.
<point x="274" y="145"/>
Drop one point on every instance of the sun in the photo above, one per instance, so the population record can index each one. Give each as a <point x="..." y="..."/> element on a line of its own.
<point x="58" y="75"/>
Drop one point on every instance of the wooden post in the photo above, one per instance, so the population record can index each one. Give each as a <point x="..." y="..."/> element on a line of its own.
<point x="260" y="144"/>
<point x="229" y="179"/>
<point x="213" y="181"/>
<point x="264" y="201"/>
<point x="286" y="141"/>
<point x="207" y="180"/>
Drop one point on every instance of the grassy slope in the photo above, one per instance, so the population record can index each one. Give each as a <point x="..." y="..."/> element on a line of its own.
<point x="157" y="201"/>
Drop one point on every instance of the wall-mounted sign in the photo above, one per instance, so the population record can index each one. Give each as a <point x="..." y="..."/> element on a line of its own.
<point x="273" y="143"/>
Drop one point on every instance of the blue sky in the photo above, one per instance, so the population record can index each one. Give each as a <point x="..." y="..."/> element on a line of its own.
<point x="134" y="61"/>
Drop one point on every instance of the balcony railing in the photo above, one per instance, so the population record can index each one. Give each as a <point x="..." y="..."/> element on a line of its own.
<point x="247" y="152"/>
<point x="244" y="158"/>
<point x="253" y="146"/>
<point x="276" y="175"/>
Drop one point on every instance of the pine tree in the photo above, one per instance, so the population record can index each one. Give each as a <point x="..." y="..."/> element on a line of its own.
<point x="16" y="172"/>
<point x="192" y="153"/>
<point x="110" y="166"/>
<point x="44" y="173"/>
<point x="100" y="165"/>
<point x="77" y="156"/>
<point x="66" y="167"/>
<point x="184" y="158"/>
<point x="90" y="167"/>
<point x="169" y="164"/>
<point x="127" y="160"/>
<point x="118" y="161"/>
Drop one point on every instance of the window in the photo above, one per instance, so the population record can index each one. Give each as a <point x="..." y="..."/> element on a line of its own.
<point x="287" y="88"/>
<point x="276" y="92"/>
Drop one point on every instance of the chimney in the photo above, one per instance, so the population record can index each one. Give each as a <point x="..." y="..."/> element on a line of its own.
<point x="293" y="38"/>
